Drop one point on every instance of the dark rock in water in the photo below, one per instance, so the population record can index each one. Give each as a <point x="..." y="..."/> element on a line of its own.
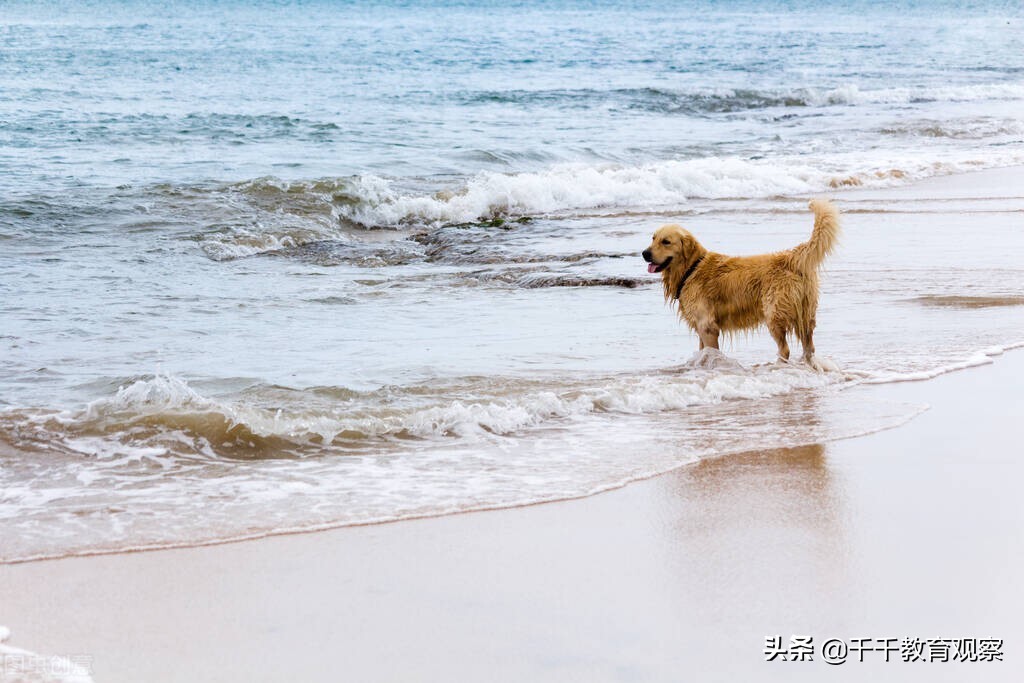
<point x="333" y="253"/>
<point x="582" y="281"/>
<point x="537" y="278"/>
<point x="475" y="244"/>
<point x="969" y="301"/>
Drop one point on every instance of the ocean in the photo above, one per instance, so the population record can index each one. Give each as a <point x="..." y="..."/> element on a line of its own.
<point x="277" y="266"/>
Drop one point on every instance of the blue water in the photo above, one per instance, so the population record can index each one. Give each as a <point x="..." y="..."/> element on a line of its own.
<point x="281" y="265"/>
<point x="108" y="93"/>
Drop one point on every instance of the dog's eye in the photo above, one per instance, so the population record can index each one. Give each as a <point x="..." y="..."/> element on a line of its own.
<point x="666" y="241"/>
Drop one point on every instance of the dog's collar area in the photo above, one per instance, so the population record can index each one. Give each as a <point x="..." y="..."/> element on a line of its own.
<point x="686" y="276"/>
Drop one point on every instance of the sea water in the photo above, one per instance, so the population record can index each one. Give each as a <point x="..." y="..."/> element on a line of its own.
<point x="268" y="266"/>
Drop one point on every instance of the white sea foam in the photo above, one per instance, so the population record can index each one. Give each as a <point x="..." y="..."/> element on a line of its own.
<point x="213" y="504"/>
<point x="165" y="396"/>
<point x="571" y="187"/>
<point x="444" y="471"/>
<point x="852" y="94"/>
<point x="980" y="357"/>
<point x="174" y="404"/>
<point x="243" y="243"/>
<point x="708" y="378"/>
<point x="567" y="189"/>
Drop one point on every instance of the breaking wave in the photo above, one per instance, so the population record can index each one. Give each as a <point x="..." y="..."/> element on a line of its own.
<point x="165" y="414"/>
<point x="327" y="220"/>
<point x="107" y="477"/>
<point x="565" y="188"/>
<point x="852" y="94"/>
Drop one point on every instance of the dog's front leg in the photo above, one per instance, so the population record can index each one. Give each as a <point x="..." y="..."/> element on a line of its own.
<point x="708" y="332"/>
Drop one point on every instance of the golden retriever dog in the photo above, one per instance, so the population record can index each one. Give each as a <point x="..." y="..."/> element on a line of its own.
<point x="718" y="293"/>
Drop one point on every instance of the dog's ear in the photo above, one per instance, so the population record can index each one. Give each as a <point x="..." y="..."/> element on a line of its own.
<point x="690" y="246"/>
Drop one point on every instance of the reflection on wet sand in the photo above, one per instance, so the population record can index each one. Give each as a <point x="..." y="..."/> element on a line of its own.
<point x="756" y="534"/>
<point x="802" y="488"/>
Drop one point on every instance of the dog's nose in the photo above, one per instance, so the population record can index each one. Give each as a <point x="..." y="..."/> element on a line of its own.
<point x="646" y="253"/>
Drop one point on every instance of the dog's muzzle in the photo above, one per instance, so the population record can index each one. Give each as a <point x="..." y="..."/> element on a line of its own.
<point x="653" y="267"/>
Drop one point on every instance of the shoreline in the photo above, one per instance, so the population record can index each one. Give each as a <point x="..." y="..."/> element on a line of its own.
<point x="980" y="358"/>
<point x="331" y="526"/>
<point x="806" y="524"/>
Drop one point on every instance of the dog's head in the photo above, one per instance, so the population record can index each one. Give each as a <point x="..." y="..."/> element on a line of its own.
<point x="670" y="245"/>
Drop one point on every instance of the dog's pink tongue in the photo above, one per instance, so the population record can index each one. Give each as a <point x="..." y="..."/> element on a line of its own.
<point x="651" y="268"/>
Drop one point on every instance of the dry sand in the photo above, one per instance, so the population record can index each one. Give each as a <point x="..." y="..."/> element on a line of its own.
<point x="913" y="532"/>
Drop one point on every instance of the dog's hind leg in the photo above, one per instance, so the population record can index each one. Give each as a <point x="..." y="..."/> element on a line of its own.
<point x="806" y="334"/>
<point x="778" y="332"/>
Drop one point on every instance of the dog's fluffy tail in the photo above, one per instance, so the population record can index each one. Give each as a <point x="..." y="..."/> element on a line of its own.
<point x="808" y="256"/>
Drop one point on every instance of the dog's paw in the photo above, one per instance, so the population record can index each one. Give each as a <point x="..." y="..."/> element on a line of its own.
<point x="712" y="359"/>
<point x="819" y="364"/>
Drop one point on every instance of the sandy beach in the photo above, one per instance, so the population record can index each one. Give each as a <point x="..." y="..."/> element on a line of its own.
<point x="912" y="532"/>
<point x="328" y="351"/>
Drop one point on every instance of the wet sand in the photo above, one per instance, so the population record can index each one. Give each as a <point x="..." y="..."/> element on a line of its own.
<point x="912" y="532"/>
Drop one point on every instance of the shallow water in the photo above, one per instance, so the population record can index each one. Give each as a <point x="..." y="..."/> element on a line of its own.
<point x="271" y="267"/>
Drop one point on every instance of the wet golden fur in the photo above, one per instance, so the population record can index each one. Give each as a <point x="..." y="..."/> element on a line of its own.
<point x="735" y="293"/>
